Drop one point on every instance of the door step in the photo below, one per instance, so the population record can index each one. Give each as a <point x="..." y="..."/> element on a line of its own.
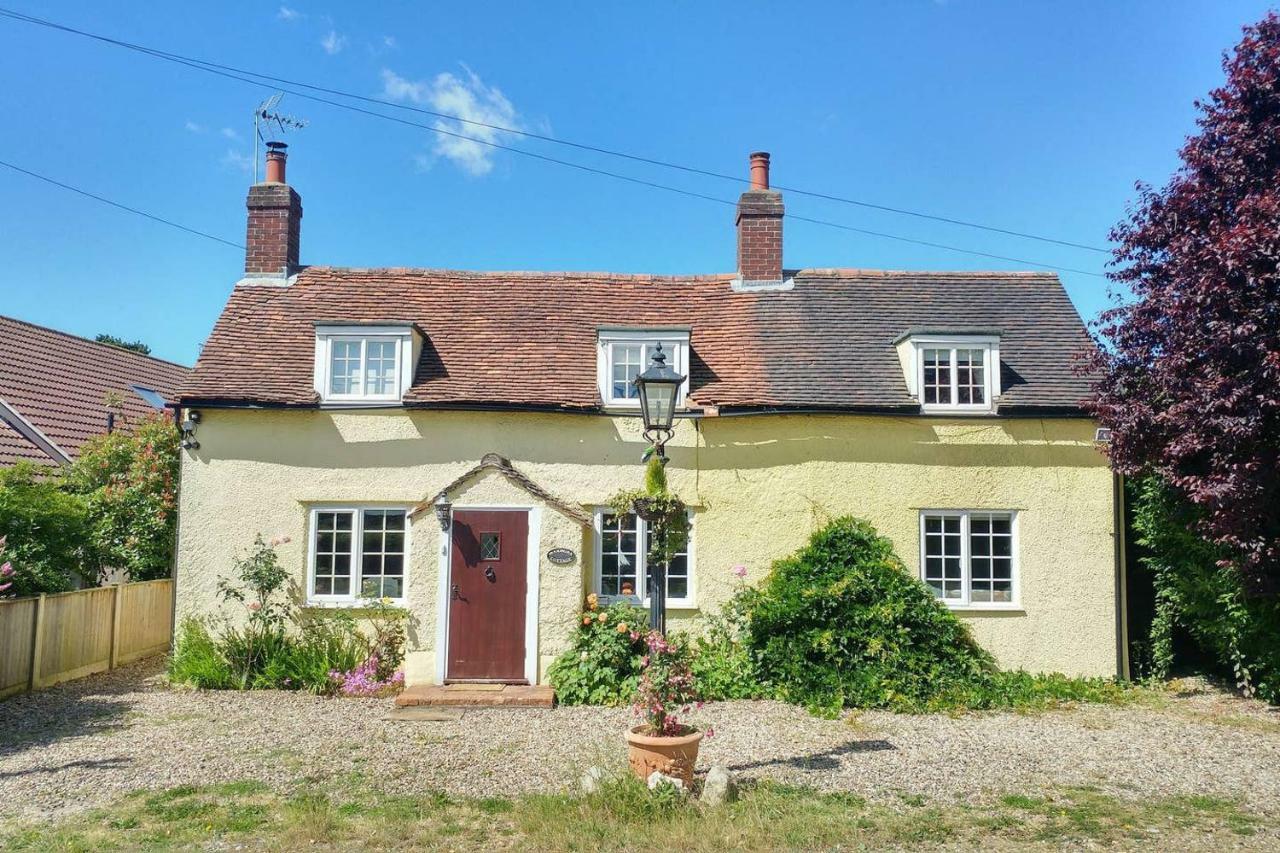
<point x="423" y="714"/>
<point x="478" y="695"/>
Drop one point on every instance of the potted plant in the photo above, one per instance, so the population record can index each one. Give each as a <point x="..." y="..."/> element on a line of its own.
<point x="664" y="740"/>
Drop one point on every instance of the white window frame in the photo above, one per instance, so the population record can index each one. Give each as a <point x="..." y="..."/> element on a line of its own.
<point x="966" y="587"/>
<point x="989" y="344"/>
<point x="357" y="554"/>
<point x="675" y="345"/>
<point x="688" y="602"/>
<point x="327" y="336"/>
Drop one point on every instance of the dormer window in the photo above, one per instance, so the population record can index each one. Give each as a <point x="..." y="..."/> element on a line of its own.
<point x="623" y="354"/>
<point x="950" y="373"/>
<point x="364" y="363"/>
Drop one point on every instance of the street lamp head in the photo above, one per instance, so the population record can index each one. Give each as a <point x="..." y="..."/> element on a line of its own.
<point x="658" y="386"/>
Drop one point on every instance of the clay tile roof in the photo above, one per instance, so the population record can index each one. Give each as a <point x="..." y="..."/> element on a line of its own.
<point x="528" y="339"/>
<point x="58" y="384"/>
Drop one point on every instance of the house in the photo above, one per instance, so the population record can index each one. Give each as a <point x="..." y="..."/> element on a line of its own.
<point x="57" y="391"/>
<point x="449" y="440"/>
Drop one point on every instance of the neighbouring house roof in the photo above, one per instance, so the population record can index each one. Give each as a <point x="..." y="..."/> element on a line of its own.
<point x="54" y="388"/>
<point x="528" y="339"/>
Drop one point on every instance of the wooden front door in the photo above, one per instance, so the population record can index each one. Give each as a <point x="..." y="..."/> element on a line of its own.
<point x="488" y="571"/>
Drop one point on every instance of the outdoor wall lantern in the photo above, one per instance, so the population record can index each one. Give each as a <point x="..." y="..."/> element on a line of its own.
<point x="659" y="387"/>
<point x="187" y="429"/>
<point x="444" y="512"/>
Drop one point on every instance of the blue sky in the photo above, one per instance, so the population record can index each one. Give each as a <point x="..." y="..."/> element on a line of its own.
<point x="1029" y="116"/>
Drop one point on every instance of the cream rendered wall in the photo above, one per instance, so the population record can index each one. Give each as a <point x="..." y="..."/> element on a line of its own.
<point x="759" y="485"/>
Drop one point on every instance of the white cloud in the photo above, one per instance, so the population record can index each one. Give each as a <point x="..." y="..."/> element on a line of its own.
<point x="192" y="127"/>
<point x="467" y="98"/>
<point x="390" y="42"/>
<point x="229" y="133"/>
<point x="333" y="42"/>
<point x="287" y="14"/>
<point x="238" y="160"/>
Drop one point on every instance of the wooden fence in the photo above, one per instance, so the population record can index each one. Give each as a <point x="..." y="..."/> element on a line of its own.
<point x="68" y="635"/>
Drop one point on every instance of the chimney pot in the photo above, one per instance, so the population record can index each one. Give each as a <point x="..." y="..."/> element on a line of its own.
<point x="277" y="153"/>
<point x="759" y="224"/>
<point x="760" y="170"/>
<point x="274" y="230"/>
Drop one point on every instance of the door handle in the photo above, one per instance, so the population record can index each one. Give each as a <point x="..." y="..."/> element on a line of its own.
<point x="455" y="594"/>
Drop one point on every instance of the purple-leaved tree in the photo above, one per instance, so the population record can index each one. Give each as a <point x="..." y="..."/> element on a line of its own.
<point x="1188" y="374"/>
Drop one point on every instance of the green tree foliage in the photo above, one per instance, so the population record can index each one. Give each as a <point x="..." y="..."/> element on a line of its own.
<point x="47" y="531"/>
<point x="843" y="623"/>
<point x="1195" y="591"/>
<point x="112" y="340"/>
<point x="129" y="480"/>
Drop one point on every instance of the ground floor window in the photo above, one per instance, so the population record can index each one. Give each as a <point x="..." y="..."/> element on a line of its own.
<point x="357" y="553"/>
<point x="622" y="565"/>
<point x="967" y="556"/>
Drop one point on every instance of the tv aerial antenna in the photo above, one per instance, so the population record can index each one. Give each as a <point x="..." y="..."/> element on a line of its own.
<point x="275" y="123"/>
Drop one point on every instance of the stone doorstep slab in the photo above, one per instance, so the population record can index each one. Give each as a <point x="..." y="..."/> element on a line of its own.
<point x="423" y="714"/>
<point x="467" y="695"/>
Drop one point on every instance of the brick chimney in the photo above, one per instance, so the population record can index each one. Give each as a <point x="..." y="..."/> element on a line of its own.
<point x="760" y="226"/>
<point x="275" y="219"/>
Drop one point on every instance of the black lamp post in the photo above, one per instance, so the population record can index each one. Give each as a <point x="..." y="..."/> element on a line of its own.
<point x="659" y="386"/>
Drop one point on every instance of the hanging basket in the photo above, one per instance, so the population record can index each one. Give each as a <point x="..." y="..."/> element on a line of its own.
<point x="647" y="509"/>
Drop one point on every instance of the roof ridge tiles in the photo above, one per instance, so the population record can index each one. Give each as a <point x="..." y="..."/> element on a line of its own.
<point x="445" y="273"/>
<point x="81" y="339"/>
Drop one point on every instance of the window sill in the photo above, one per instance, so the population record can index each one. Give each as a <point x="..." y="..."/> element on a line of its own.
<point x="986" y="607"/>
<point x="636" y="601"/>
<point x="362" y="604"/>
<point x="361" y="403"/>
<point x="944" y="411"/>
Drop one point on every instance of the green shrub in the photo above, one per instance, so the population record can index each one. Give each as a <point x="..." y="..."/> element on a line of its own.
<point x="723" y="666"/>
<point x="843" y="623"/>
<point x="1240" y="631"/>
<point x="273" y="647"/>
<point x="48" y="531"/>
<point x="197" y="660"/>
<point x="602" y="665"/>
<point x="128" y="478"/>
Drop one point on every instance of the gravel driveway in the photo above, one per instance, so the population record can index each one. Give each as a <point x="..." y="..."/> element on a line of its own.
<point x="85" y="743"/>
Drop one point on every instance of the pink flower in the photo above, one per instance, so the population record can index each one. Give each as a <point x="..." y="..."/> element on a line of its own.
<point x="254" y="606"/>
<point x="740" y="571"/>
<point x="6" y="570"/>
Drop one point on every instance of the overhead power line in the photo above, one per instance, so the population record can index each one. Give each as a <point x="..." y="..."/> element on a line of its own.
<point x="199" y="65"/>
<point x="209" y="65"/>
<point x="120" y="206"/>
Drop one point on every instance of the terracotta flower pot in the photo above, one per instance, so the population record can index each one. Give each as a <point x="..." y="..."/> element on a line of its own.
<point x="672" y="756"/>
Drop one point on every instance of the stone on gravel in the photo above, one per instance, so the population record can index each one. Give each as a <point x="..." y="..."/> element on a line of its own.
<point x="592" y="780"/>
<point x="657" y="778"/>
<point x="719" y="787"/>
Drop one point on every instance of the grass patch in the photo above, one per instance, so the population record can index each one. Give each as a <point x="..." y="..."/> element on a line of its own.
<point x="624" y="815"/>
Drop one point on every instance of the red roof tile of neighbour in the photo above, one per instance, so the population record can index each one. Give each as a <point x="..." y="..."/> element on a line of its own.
<point x="59" y="384"/>
<point x="528" y="339"/>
